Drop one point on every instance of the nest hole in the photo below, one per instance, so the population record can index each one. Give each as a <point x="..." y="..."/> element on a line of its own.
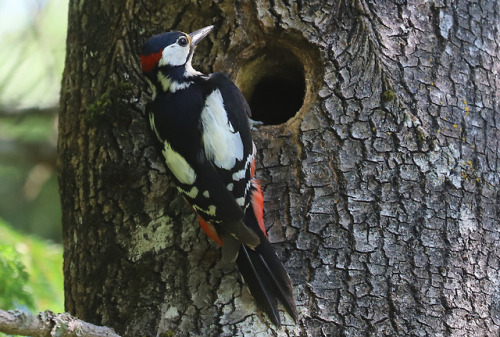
<point x="273" y="83"/>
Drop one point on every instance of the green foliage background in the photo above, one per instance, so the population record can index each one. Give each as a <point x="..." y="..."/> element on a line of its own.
<point x="32" y="51"/>
<point x="30" y="272"/>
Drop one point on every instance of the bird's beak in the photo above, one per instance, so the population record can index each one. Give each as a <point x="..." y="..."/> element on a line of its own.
<point x="199" y="34"/>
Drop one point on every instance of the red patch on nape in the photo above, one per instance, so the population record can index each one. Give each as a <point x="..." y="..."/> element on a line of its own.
<point x="148" y="62"/>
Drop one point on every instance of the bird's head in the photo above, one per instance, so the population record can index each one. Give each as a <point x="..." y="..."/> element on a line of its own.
<point x="170" y="54"/>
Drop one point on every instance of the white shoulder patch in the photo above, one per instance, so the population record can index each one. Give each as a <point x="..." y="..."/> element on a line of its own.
<point x="222" y="145"/>
<point x="179" y="167"/>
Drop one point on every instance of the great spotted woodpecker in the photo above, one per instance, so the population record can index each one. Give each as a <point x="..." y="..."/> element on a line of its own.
<point x="202" y="124"/>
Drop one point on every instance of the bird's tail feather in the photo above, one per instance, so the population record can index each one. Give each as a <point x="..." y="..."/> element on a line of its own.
<point x="265" y="274"/>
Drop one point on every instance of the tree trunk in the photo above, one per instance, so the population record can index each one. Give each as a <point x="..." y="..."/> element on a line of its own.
<point x="381" y="192"/>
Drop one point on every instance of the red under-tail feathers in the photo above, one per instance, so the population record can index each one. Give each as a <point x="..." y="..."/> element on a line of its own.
<point x="261" y="268"/>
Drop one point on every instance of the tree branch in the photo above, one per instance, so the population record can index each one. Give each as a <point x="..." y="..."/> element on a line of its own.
<point x="17" y="152"/>
<point x="47" y="324"/>
<point x="7" y="112"/>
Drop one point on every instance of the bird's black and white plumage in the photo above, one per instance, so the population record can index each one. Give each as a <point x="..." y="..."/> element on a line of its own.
<point x="202" y="124"/>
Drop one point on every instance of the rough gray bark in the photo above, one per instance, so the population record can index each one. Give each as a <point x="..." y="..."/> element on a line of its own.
<point x="381" y="193"/>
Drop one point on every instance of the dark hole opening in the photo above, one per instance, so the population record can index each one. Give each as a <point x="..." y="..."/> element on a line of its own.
<point x="276" y="88"/>
<point x="275" y="100"/>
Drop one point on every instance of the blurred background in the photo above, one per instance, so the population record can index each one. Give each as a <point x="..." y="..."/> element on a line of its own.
<point x="32" y="48"/>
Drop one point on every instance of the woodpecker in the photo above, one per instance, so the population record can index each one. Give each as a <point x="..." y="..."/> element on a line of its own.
<point x="202" y="125"/>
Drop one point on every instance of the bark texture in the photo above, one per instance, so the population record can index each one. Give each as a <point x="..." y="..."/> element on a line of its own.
<point x="381" y="193"/>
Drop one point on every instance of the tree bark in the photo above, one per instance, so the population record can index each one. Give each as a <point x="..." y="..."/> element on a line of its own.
<point x="381" y="192"/>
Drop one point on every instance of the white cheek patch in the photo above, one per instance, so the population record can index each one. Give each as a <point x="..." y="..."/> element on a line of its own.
<point x="174" y="55"/>
<point x="179" y="167"/>
<point x="221" y="144"/>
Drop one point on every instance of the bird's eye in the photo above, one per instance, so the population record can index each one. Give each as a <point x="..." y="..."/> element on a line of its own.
<point x="182" y="41"/>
